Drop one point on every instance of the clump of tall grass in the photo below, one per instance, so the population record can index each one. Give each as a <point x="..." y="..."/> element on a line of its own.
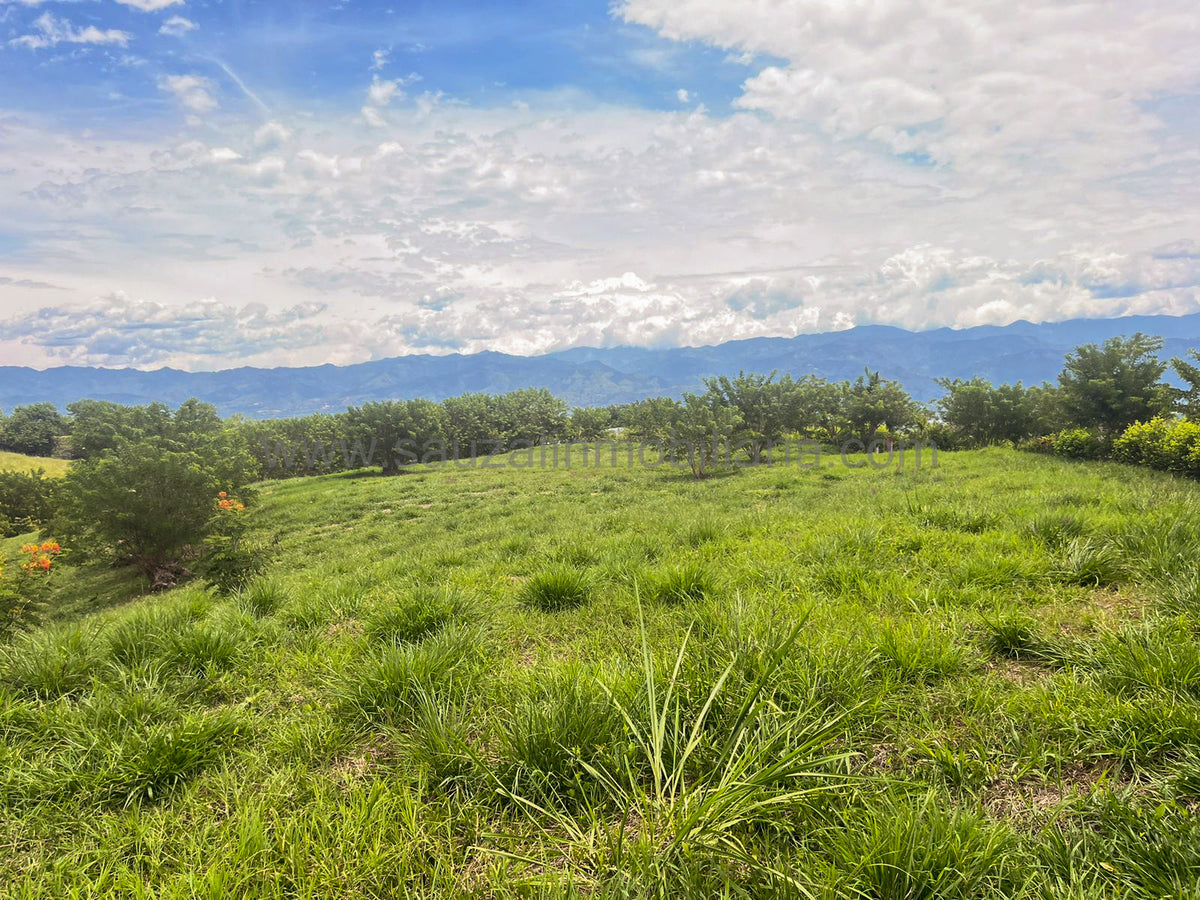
<point x="416" y="615"/>
<point x="692" y="789"/>
<point x="263" y="596"/>
<point x="678" y="584"/>
<point x="703" y="531"/>
<point x="1012" y="635"/>
<point x="557" y="588"/>
<point x="900" y="848"/>
<point x="555" y="731"/>
<point x="51" y="663"/>
<point x="1091" y="563"/>
<point x="920" y="654"/>
<point x="385" y="685"/>
<point x="1056" y="529"/>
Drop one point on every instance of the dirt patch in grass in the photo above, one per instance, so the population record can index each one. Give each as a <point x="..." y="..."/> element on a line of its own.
<point x="1031" y="804"/>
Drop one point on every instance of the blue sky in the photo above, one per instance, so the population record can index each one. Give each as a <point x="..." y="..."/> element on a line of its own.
<point x="288" y="54"/>
<point x="204" y="184"/>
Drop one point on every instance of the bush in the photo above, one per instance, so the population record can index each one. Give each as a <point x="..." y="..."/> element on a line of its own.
<point x="26" y="501"/>
<point x="143" y="504"/>
<point x="1043" y="444"/>
<point x="1167" y="444"/>
<point x="1078" y="443"/>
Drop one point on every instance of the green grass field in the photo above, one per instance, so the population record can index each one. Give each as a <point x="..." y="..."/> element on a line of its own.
<point x="980" y="680"/>
<point x="16" y="462"/>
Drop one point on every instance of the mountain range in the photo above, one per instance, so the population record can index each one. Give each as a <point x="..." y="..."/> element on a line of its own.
<point x="1022" y="351"/>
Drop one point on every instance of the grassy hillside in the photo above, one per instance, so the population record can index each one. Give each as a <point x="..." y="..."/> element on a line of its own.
<point x="980" y="680"/>
<point x="16" y="462"/>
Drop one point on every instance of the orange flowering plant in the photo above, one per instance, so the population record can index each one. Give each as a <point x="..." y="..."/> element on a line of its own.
<point x="228" y="561"/>
<point x="23" y="595"/>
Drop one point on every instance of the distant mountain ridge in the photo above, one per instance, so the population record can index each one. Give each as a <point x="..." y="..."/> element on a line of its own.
<point x="586" y="376"/>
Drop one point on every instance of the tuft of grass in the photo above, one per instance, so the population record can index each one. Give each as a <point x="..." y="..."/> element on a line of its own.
<point x="703" y="531"/>
<point x="917" y="849"/>
<point x="263" y="596"/>
<point x="680" y="584"/>
<point x="56" y="662"/>
<point x="1056" y="529"/>
<point x="920" y="654"/>
<point x="1012" y="635"/>
<point x="557" y="588"/>
<point x="386" y="685"/>
<point x="555" y="732"/>
<point x="416" y="615"/>
<point x="1090" y="562"/>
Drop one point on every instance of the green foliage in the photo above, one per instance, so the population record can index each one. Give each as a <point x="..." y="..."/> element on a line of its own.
<point x="982" y="414"/>
<point x="557" y="588"/>
<point x="27" y="501"/>
<point x="1171" y="445"/>
<point x="873" y="402"/>
<point x="142" y="504"/>
<point x="33" y="430"/>
<point x="1078" y="443"/>
<point x="1112" y="386"/>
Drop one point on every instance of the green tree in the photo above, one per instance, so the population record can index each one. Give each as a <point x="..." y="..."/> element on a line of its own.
<point x="33" y="429"/>
<point x="1112" y="386"/>
<point x="590" y="423"/>
<point x="985" y="414"/>
<point x="400" y="431"/>
<point x="761" y="405"/>
<point x="703" y="430"/>
<point x="1189" y="397"/>
<point x="872" y="402"/>
<point x="145" y="503"/>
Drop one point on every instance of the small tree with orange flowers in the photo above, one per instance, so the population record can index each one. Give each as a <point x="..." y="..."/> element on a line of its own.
<point x="24" y="593"/>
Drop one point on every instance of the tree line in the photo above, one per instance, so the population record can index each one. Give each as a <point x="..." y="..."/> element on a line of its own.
<point x="143" y="485"/>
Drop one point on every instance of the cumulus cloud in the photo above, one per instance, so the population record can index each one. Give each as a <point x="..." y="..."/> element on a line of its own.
<point x="193" y="92"/>
<point x="120" y="330"/>
<point x="52" y="30"/>
<point x="150" y="5"/>
<point x="177" y="26"/>
<point x="920" y="166"/>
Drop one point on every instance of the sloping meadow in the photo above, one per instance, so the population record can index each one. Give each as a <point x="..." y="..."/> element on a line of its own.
<point x="980" y="679"/>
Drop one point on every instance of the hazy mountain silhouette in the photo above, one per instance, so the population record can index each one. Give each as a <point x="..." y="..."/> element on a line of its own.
<point x="593" y="376"/>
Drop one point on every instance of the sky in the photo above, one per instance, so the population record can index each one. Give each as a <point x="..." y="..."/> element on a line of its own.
<point x="205" y="184"/>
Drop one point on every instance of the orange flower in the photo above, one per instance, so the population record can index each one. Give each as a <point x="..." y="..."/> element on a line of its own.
<point x="222" y="495"/>
<point x="45" y="564"/>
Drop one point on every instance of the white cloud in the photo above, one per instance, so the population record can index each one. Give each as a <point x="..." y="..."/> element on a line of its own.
<point x="379" y="59"/>
<point x="682" y="95"/>
<point x="149" y="5"/>
<point x="194" y="92"/>
<point x="918" y="164"/>
<point x="53" y="30"/>
<point x="177" y="26"/>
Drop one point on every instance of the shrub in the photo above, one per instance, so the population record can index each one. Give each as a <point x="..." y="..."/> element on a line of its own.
<point x="1043" y="444"/>
<point x="555" y="589"/>
<point x="1078" y="443"/>
<point x="229" y="561"/>
<point x="26" y="501"/>
<point x="1167" y="444"/>
<point x="143" y="504"/>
